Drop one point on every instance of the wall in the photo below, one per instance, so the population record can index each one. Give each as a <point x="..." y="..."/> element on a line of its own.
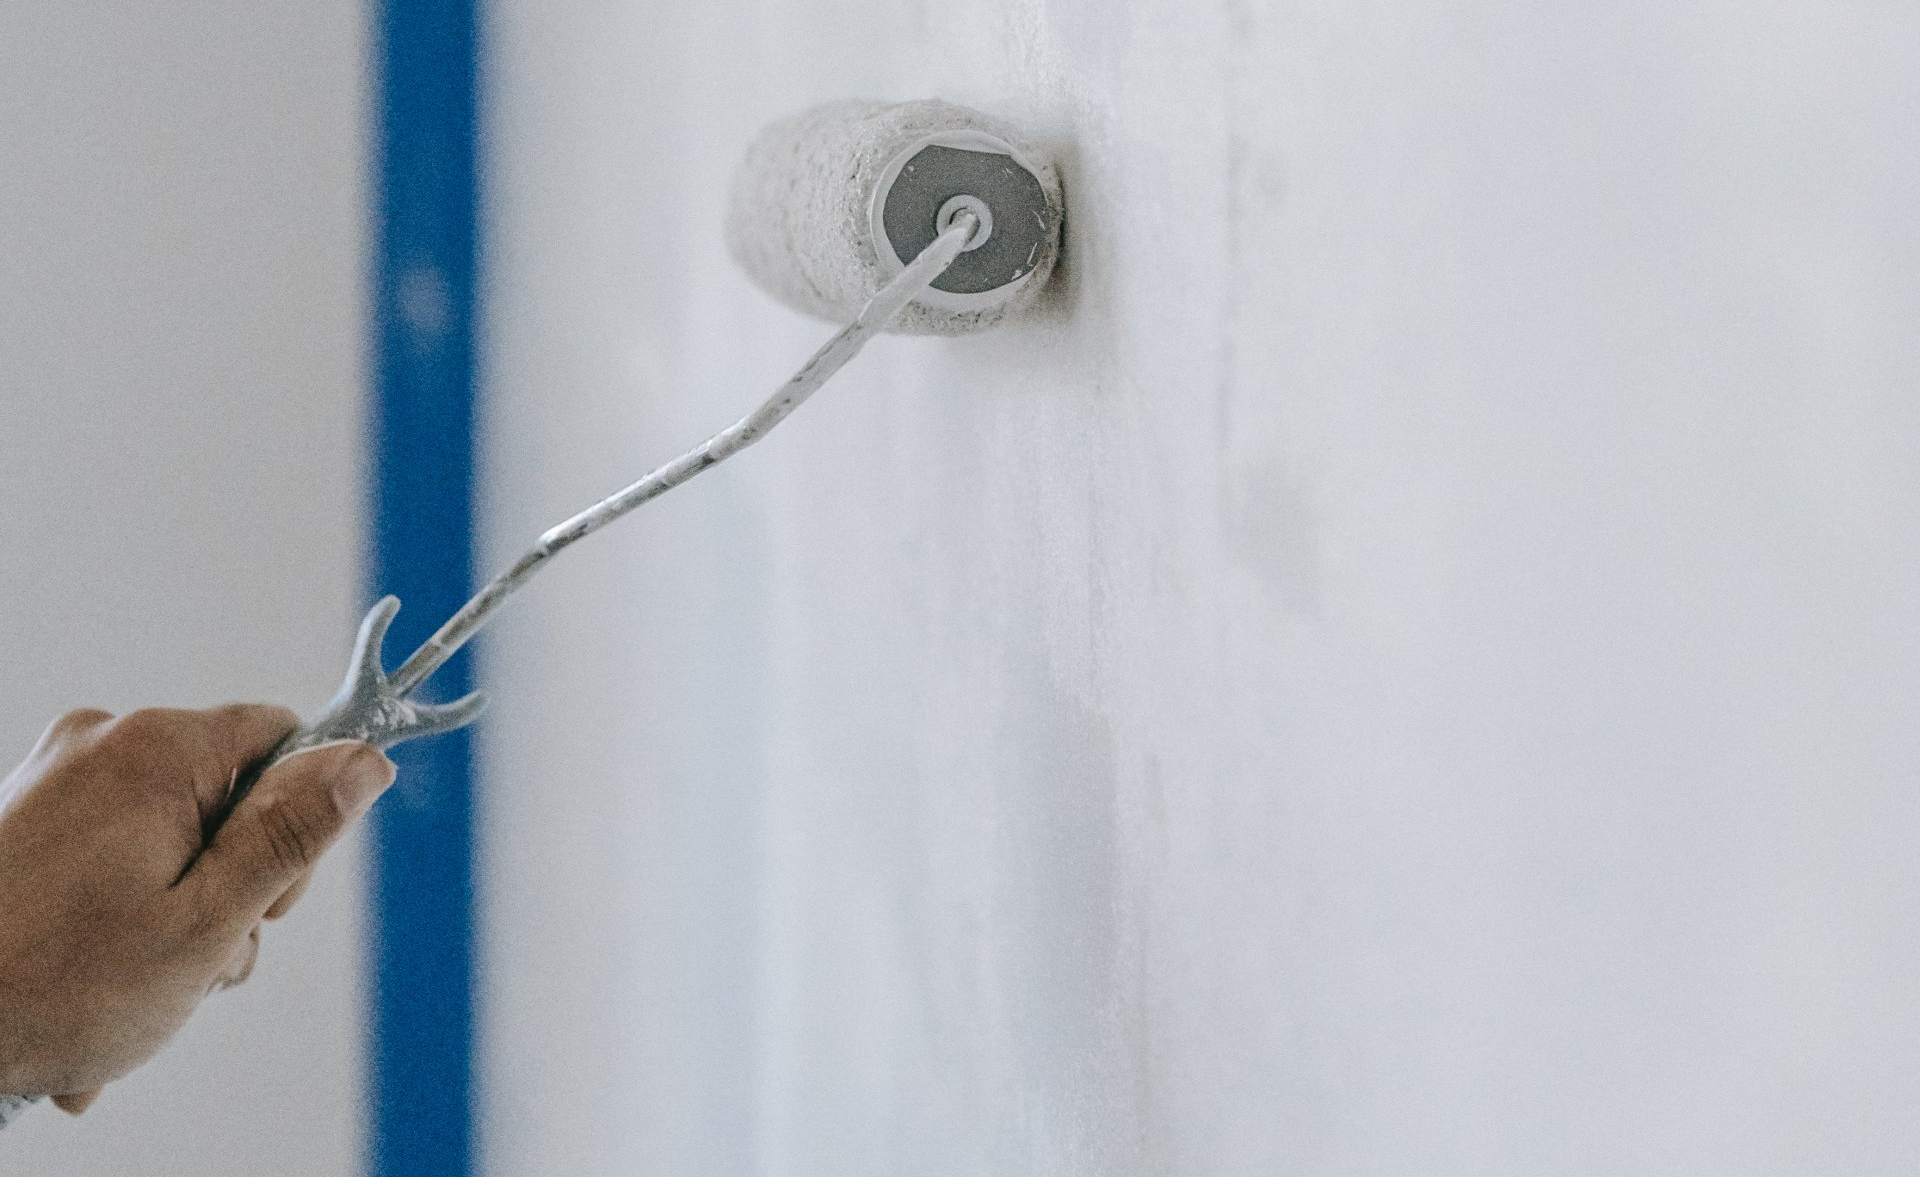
<point x="1404" y="665"/>
<point x="180" y="390"/>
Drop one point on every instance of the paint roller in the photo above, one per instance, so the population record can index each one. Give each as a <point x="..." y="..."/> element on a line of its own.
<point x="831" y="205"/>
<point x="919" y="218"/>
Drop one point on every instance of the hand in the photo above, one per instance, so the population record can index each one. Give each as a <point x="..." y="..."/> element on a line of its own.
<point x="118" y="912"/>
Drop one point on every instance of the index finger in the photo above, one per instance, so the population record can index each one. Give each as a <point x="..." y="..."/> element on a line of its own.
<point x="238" y="734"/>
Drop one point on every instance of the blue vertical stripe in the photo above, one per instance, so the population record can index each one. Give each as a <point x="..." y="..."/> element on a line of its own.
<point x="421" y="1050"/>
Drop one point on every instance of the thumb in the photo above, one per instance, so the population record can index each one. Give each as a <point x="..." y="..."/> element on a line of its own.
<point x="281" y="828"/>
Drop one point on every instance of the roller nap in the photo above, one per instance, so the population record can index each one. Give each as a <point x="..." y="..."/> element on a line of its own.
<point x="831" y="204"/>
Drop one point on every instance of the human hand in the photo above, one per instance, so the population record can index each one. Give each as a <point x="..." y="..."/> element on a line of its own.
<point x="121" y="905"/>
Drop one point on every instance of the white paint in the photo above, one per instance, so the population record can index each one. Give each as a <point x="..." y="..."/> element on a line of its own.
<point x="180" y="310"/>
<point x="1404" y="666"/>
<point x="808" y="204"/>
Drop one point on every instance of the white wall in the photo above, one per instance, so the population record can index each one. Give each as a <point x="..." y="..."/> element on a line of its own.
<point x="180" y="372"/>
<point x="1405" y="666"/>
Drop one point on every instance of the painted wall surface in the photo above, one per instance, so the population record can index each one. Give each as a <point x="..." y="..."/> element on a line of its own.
<point x="1407" y="665"/>
<point x="180" y="389"/>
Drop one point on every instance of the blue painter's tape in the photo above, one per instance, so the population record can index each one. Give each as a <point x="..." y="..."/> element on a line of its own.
<point x="421" y="946"/>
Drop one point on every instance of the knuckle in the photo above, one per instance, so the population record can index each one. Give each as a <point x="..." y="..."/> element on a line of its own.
<point x="229" y="716"/>
<point x="75" y="726"/>
<point x="148" y="730"/>
<point x="240" y="965"/>
<point x="81" y="719"/>
<point x="152" y="745"/>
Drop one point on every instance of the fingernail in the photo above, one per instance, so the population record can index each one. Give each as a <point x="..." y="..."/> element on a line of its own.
<point x="365" y="776"/>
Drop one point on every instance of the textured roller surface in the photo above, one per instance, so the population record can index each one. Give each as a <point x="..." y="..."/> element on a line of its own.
<point x="804" y="221"/>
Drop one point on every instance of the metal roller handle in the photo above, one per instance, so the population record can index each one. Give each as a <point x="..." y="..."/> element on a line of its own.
<point x="377" y="708"/>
